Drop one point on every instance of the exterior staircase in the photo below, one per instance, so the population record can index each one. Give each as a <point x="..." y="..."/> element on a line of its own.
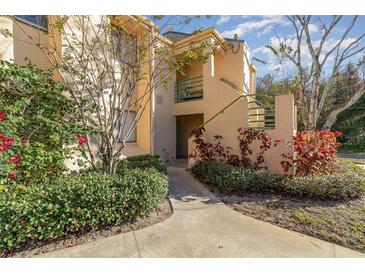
<point x="260" y="115"/>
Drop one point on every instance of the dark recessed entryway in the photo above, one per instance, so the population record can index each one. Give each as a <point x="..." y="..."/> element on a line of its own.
<point x="184" y="126"/>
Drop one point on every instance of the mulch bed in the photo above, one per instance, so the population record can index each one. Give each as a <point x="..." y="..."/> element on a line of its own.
<point x="342" y="223"/>
<point x="162" y="212"/>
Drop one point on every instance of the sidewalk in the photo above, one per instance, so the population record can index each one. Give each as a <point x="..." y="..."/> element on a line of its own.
<point x="202" y="226"/>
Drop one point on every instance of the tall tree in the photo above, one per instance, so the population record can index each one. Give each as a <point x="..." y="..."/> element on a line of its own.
<point x="324" y="57"/>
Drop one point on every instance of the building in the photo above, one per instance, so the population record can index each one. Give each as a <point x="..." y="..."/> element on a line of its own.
<point x="218" y="94"/>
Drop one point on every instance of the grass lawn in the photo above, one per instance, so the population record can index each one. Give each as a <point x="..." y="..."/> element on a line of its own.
<point x="342" y="223"/>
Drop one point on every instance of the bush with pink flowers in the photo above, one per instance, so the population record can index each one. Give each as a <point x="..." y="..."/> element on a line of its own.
<point x="37" y="124"/>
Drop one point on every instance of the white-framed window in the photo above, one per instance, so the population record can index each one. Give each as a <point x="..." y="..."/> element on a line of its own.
<point x="37" y="21"/>
<point x="125" y="46"/>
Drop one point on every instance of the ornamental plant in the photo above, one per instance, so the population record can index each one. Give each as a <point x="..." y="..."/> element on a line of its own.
<point x="315" y="151"/>
<point x="38" y="124"/>
<point x="205" y="151"/>
<point x="246" y="136"/>
<point x="75" y="203"/>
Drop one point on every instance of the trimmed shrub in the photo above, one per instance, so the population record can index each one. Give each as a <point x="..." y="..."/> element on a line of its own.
<point x="75" y="203"/>
<point x="347" y="181"/>
<point x="143" y="162"/>
<point x="230" y="178"/>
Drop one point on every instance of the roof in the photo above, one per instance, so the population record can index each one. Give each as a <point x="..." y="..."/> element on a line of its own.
<point x="177" y="36"/>
<point x="184" y="40"/>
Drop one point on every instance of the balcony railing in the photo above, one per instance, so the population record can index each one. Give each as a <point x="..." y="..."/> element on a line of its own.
<point x="189" y="89"/>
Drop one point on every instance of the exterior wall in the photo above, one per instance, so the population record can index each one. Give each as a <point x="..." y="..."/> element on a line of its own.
<point x="20" y="46"/>
<point x="164" y="122"/>
<point x="218" y="95"/>
<point x="285" y="129"/>
<point x="191" y="71"/>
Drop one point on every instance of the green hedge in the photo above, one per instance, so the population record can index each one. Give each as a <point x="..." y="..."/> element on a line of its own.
<point x="348" y="181"/>
<point x="143" y="162"/>
<point x="76" y="203"/>
<point x="230" y="178"/>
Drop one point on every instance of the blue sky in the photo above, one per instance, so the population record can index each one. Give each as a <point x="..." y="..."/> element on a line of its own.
<point x="259" y="31"/>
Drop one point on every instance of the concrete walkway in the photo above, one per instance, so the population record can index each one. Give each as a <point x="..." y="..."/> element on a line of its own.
<point x="202" y="226"/>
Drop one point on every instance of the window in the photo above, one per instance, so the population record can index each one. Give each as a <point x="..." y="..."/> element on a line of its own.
<point x="38" y="21"/>
<point x="131" y="117"/>
<point x="125" y="46"/>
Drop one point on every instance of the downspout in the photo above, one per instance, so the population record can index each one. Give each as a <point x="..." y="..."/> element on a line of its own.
<point x="152" y="109"/>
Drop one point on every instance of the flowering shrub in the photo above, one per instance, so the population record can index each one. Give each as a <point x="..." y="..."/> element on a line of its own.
<point x="9" y="159"/>
<point x="82" y="139"/>
<point x="205" y="151"/>
<point x="314" y="152"/>
<point x="37" y="123"/>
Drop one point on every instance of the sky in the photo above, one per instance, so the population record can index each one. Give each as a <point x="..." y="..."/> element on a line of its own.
<point x="259" y="31"/>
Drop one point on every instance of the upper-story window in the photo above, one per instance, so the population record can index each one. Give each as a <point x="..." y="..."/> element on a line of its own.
<point x="125" y="46"/>
<point x="38" y="21"/>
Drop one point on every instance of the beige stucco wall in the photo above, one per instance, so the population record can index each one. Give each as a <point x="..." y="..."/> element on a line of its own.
<point x="19" y="46"/>
<point x="164" y="121"/>
<point x="191" y="71"/>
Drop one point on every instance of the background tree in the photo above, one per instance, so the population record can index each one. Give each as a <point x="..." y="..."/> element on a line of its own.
<point x="352" y="120"/>
<point x="112" y="65"/>
<point x="312" y="92"/>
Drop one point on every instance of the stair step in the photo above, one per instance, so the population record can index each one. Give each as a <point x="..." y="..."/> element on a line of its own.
<point x="271" y="114"/>
<point x="269" y="128"/>
<point x="268" y="108"/>
<point x="262" y="121"/>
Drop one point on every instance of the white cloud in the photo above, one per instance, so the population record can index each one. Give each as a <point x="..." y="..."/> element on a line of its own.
<point x="223" y="19"/>
<point x="266" y="23"/>
<point x="289" y="40"/>
<point x="313" y="28"/>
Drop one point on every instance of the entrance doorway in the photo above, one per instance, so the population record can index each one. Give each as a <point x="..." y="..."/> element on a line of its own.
<point x="184" y="126"/>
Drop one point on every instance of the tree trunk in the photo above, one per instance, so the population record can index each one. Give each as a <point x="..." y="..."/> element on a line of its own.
<point x="331" y="119"/>
<point x="312" y="122"/>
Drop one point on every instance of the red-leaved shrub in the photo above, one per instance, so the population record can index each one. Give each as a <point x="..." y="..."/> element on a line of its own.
<point x="246" y="136"/>
<point x="205" y="151"/>
<point x="314" y="152"/>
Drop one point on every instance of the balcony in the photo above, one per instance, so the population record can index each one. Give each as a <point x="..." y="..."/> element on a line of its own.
<point x="189" y="89"/>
